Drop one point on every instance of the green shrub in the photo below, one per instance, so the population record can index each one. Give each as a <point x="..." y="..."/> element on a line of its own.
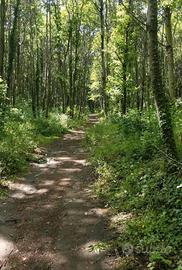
<point x="3" y="104"/>
<point x="16" y="146"/>
<point x="128" y="155"/>
<point x="55" y="125"/>
<point x="20" y="134"/>
<point x="78" y="121"/>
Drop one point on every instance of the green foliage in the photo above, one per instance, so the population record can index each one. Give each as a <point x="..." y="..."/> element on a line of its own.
<point x="3" y="188"/>
<point x="99" y="247"/>
<point x="55" y="125"/>
<point x="128" y="155"/>
<point x="178" y="124"/>
<point x="3" y="103"/>
<point x="21" y="134"/>
<point x="78" y="120"/>
<point x="16" y="146"/>
<point x="16" y="142"/>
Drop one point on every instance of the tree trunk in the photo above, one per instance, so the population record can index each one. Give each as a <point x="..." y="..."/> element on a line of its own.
<point x="162" y="104"/>
<point x="169" y="52"/>
<point x="103" y="59"/>
<point x="124" y="100"/>
<point x="12" y="49"/>
<point x="2" y="37"/>
<point x="125" y="60"/>
<point x="143" y="76"/>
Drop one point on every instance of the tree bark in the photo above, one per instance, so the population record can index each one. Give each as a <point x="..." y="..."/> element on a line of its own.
<point x="162" y="104"/>
<point x="125" y="60"/>
<point x="12" y="49"/>
<point x="2" y="37"/>
<point x="169" y="52"/>
<point x="143" y="76"/>
<point x="103" y="59"/>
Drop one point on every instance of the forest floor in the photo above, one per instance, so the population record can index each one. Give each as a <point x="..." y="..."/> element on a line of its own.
<point x="50" y="219"/>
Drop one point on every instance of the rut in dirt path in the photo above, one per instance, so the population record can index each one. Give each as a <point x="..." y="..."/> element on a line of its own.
<point x="51" y="219"/>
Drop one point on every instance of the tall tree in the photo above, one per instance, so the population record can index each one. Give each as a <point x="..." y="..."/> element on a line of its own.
<point x="103" y="55"/>
<point x="162" y="104"/>
<point x="12" y="48"/>
<point x="2" y="36"/>
<point x="169" y="51"/>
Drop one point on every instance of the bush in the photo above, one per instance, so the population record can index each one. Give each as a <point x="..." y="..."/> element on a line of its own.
<point x="16" y="146"/>
<point x="20" y="134"/>
<point x="78" y="121"/>
<point x="128" y="155"/>
<point x="55" y="125"/>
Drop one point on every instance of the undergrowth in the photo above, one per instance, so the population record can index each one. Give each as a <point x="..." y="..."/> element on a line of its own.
<point x="129" y="158"/>
<point x="20" y="133"/>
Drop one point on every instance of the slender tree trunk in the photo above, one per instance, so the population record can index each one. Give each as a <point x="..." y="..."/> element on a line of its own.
<point x="37" y="81"/>
<point x="138" y="96"/>
<point x="103" y="59"/>
<point x="47" y="61"/>
<point x="169" y="52"/>
<point x="143" y="76"/>
<point x="71" y="75"/>
<point x="75" y="72"/>
<point x="125" y="59"/>
<point x="162" y="104"/>
<point x="49" y="98"/>
<point x="2" y="37"/>
<point x="12" y="49"/>
<point x="32" y="75"/>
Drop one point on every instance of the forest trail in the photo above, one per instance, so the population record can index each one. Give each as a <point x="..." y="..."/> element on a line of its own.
<point x="51" y="219"/>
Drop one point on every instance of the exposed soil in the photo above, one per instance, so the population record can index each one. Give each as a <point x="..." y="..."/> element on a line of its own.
<point x="50" y="219"/>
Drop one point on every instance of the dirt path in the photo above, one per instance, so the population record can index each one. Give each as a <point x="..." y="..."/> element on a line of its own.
<point x="50" y="218"/>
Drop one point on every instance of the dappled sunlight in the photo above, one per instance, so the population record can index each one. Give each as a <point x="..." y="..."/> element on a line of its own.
<point x="74" y="135"/>
<point x="98" y="212"/>
<point x="48" y="183"/>
<point x="119" y="220"/>
<point x="71" y="170"/>
<point x="80" y="161"/>
<point x="64" y="158"/>
<point x="21" y="190"/>
<point x="76" y="132"/>
<point x="25" y="188"/>
<point x="42" y="191"/>
<point x="18" y="195"/>
<point x="6" y="247"/>
<point x="50" y="163"/>
<point x="121" y="217"/>
<point x="93" y="119"/>
<point x="56" y="218"/>
<point x="65" y="182"/>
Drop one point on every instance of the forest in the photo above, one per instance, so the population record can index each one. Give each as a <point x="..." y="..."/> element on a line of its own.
<point x="111" y="69"/>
